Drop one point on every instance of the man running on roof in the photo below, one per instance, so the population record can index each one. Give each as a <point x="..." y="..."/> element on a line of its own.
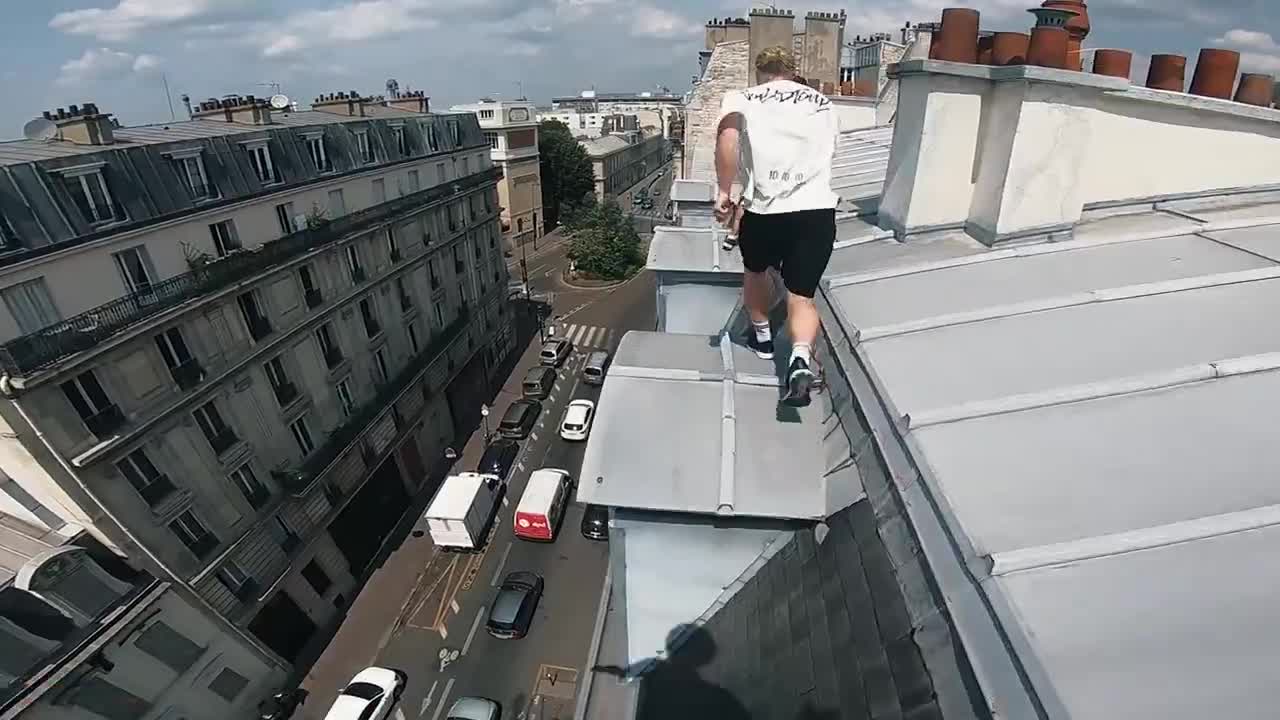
<point x="785" y="134"/>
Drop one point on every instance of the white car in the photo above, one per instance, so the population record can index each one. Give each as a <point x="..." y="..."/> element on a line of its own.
<point x="369" y="696"/>
<point x="577" y="420"/>
<point x="473" y="708"/>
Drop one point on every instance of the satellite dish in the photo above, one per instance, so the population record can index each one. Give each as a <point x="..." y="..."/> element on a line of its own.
<point x="42" y="129"/>
<point x="279" y="102"/>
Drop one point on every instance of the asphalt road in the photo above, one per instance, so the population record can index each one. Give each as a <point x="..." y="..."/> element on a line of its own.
<point x="439" y="637"/>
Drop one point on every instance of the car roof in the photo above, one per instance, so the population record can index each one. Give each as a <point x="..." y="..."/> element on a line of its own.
<point x="506" y="606"/>
<point x="346" y="707"/>
<point x="523" y="576"/>
<point x="597" y="357"/>
<point x="577" y="412"/>
<point x="472" y="707"/>
<point x="538" y="373"/>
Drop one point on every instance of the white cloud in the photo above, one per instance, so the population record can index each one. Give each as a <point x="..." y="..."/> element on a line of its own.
<point x="282" y="45"/>
<point x="129" y="17"/>
<point x="650" y="21"/>
<point x="1259" y="51"/>
<point x="145" y="63"/>
<point x="344" y="23"/>
<point x="101" y="62"/>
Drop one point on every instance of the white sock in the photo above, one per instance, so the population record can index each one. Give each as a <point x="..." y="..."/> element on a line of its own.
<point x="802" y="351"/>
<point x="763" y="333"/>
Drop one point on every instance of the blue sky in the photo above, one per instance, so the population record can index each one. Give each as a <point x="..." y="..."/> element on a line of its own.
<point x="114" y="52"/>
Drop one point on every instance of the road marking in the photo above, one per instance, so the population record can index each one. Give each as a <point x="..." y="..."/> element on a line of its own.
<point x="475" y="625"/>
<point x="501" y="563"/>
<point x="453" y="605"/>
<point x="590" y="337"/>
<point x="444" y="632"/>
<point x="533" y="437"/>
<point x="520" y="466"/>
<point x="448" y="686"/>
<point x="400" y="713"/>
<point x="505" y="501"/>
<point x="427" y="702"/>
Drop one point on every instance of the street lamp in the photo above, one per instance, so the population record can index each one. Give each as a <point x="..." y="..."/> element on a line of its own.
<point x="484" y="415"/>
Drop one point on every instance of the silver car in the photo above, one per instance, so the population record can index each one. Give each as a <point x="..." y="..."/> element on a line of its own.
<point x="554" y="352"/>
<point x="474" y="708"/>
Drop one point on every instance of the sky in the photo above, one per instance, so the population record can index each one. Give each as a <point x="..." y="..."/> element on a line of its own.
<point x="120" y="53"/>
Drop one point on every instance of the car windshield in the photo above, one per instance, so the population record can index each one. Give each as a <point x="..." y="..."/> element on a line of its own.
<point x="507" y="605"/>
<point x="534" y="377"/>
<point x="572" y="426"/>
<point x="363" y="690"/>
<point x="514" y="414"/>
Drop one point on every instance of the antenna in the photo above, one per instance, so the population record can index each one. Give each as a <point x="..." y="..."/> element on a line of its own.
<point x="167" y="96"/>
<point x="40" y="129"/>
<point x="279" y="101"/>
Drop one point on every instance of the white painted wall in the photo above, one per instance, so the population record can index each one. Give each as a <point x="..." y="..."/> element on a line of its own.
<point x="854" y="114"/>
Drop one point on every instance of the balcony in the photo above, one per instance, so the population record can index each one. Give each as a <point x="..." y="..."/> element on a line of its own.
<point x="188" y="375"/>
<point x="406" y="302"/>
<point x="42" y="348"/>
<point x="459" y="266"/>
<point x="223" y="441"/>
<point x="203" y="546"/>
<point x="338" y="441"/>
<point x="286" y="392"/>
<point x="202" y="191"/>
<point x="371" y="328"/>
<point x="259" y="327"/>
<point x="290" y="543"/>
<point x="333" y="358"/>
<point x="159" y="488"/>
<point x="105" y="422"/>
<point x="248" y="590"/>
<point x="314" y="299"/>
<point x="395" y="255"/>
<point x="357" y="275"/>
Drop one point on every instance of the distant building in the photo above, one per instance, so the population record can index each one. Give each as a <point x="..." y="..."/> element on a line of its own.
<point x="585" y="113"/>
<point x="511" y="127"/>
<point x="622" y="160"/>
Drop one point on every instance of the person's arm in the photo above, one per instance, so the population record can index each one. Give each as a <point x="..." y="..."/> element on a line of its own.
<point x="728" y="129"/>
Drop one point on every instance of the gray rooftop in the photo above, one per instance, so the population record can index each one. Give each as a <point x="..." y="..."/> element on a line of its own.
<point x="20" y="542"/>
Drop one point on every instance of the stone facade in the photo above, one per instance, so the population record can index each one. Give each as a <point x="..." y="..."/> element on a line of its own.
<point x="727" y="70"/>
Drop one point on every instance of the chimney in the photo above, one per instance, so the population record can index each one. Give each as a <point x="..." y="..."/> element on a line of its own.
<point x="83" y="125"/>
<point x="986" y="46"/>
<point x="1167" y="72"/>
<point x="957" y="40"/>
<point x="247" y="110"/>
<point x="1049" y="37"/>
<point x="1256" y="89"/>
<point x="1114" y="63"/>
<point x="1215" y="74"/>
<point x="1010" y="48"/>
<point x="1077" y="29"/>
<point x="415" y="101"/>
<point x="351" y="103"/>
<point x="186" y="103"/>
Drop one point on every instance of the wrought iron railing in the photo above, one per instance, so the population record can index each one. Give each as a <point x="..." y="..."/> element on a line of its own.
<point x="44" y="347"/>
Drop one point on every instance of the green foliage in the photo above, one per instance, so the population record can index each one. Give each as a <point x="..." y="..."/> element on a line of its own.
<point x="568" y="181"/>
<point x="605" y="243"/>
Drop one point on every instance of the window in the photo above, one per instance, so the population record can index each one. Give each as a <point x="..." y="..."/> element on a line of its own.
<point x="234" y="578"/>
<point x="486" y="114"/>
<point x="283" y="534"/>
<point x="286" y="392"/>
<point x="91" y="194"/>
<point x="310" y="292"/>
<point x="215" y="430"/>
<point x="397" y="131"/>
<point x="8" y="236"/>
<point x="364" y="146"/>
<point x="260" y="159"/>
<point x="228" y="684"/>
<point x="194" y="534"/>
<point x="492" y="137"/>
<point x="191" y="172"/>
<point x="439" y="316"/>
<point x="433" y="276"/>
<point x="432" y="140"/>
<point x="177" y="357"/>
<point x="107" y="700"/>
<point x="254" y="318"/>
<point x="353" y="264"/>
<point x="343" y="390"/>
<point x="135" y="268"/>
<point x="317" y="578"/>
<point x="455" y="133"/>
<point x="302" y="435"/>
<point x="413" y="338"/>
<point x="406" y="300"/>
<point x="379" y="191"/>
<point x="414" y="183"/>
<point x="142" y="474"/>
<point x="371" y="326"/>
<point x="315" y="148"/>
<point x="337" y="205"/>
<point x="441" y="173"/>
<point x="31" y="305"/>
<point x="328" y="348"/>
<point x="393" y="246"/>
<point x="380" y="361"/>
<point x="284" y="216"/>
<point x="225" y="238"/>
<point x="254" y="491"/>
<point x="466" y="166"/>
<point x="90" y="401"/>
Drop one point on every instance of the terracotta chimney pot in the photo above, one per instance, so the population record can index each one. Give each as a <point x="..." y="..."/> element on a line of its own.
<point x="957" y="40"/>
<point x="1215" y="74"/>
<point x="985" y="44"/>
<point x="1167" y="72"/>
<point x="1048" y="47"/>
<point x="1256" y="89"/>
<point x="1115" y="63"/>
<point x="1077" y="27"/>
<point x="1010" y="48"/>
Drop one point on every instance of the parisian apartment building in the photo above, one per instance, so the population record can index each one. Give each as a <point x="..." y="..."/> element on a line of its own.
<point x="232" y="349"/>
<point x="511" y="128"/>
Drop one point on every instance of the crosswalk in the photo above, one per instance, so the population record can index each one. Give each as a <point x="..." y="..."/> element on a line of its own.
<point x="590" y="336"/>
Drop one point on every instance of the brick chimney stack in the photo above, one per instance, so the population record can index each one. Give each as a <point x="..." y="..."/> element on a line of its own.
<point x="246" y="110"/>
<point x="351" y="104"/>
<point x="415" y="101"/>
<point x="83" y="124"/>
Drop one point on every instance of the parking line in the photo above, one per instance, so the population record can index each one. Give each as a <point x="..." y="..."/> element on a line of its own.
<point x="475" y="625"/>
<point x="501" y="563"/>
<point x="443" y="697"/>
<point x="427" y="702"/>
<point x="533" y="437"/>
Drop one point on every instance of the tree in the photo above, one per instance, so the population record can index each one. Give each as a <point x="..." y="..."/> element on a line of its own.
<point x="568" y="180"/>
<point x="605" y="242"/>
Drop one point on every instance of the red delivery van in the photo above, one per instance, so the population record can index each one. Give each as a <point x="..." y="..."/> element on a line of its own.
<point x="542" y="505"/>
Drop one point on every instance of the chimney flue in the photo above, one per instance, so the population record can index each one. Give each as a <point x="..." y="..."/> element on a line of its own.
<point x="1009" y="48"/>
<point x="1113" y="63"/>
<point x="1256" y="89"/>
<point x="1215" y="74"/>
<point x="957" y="39"/>
<point x="1167" y="72"/>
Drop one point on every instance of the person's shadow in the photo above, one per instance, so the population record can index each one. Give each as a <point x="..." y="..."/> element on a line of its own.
<point x="672" y="688"/>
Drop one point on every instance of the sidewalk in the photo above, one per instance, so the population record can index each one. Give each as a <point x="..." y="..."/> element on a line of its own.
<point x="377" y="612"/>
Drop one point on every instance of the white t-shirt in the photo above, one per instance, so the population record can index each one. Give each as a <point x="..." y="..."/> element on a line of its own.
<point x="787" y="143"/>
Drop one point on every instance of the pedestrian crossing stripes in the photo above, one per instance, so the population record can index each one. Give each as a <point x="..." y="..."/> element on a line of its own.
<point x="590" y="336"/>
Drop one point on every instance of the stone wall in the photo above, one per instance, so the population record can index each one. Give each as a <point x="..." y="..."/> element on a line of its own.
<point x="726" y="70"/>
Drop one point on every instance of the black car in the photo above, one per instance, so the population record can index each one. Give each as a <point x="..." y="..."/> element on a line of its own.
<point x="498" y="458"/>
<point x="538" y="382"/>
<point x="513" y="606"/>
<point x="518" y="421"/>
<point x="595" y="522"/>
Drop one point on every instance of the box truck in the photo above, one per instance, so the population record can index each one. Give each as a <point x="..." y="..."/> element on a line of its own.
<point x="542" y="505"/>
<point x="462" y="512"/>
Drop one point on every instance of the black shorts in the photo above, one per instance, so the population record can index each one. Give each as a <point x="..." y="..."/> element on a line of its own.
<point x="798" y="244"/>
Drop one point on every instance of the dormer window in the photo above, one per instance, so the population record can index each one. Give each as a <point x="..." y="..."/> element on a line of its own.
<point x="88" y="189"/>
<point x="364" y="146"/>
<point x="315" y="148"/>
<point x="260" y="158"/>
<point x="190" y="167"/>
<point x="402" y="143"/>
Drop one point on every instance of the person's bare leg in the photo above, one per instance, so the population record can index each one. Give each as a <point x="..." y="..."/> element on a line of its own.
<point x="757" y="296"/>
<point x="802" y="326"/>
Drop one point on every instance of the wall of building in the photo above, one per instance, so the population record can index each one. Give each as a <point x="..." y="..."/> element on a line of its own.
<point x="823" y="40"/>
<point x="726" y="71"/>
<point x="769" y="28"/>
<point x="522" y="185"/>
<point x="718" y="32"/>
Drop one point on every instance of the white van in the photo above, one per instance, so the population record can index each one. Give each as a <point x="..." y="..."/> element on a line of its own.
<point x="543" y="504"/>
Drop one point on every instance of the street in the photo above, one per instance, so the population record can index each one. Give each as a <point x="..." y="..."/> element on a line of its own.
<point x="423" y="611"/>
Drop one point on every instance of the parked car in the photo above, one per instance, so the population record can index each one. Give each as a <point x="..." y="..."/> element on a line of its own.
<point x="514" y="605"/>
<point x="577" y="420"/>
<point x="517" y="421"/>
<point x="474" y="708"/>
<point x="369" y="696"/>
<point x="542" y="505"/>
<point x="498" y="458"/>
<point x="282" y="705"/>
<point x="554" y="352"/>
<point x="595" y="522"/>
<point x="594" y="369"/>
<point x="538" y="382"/>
